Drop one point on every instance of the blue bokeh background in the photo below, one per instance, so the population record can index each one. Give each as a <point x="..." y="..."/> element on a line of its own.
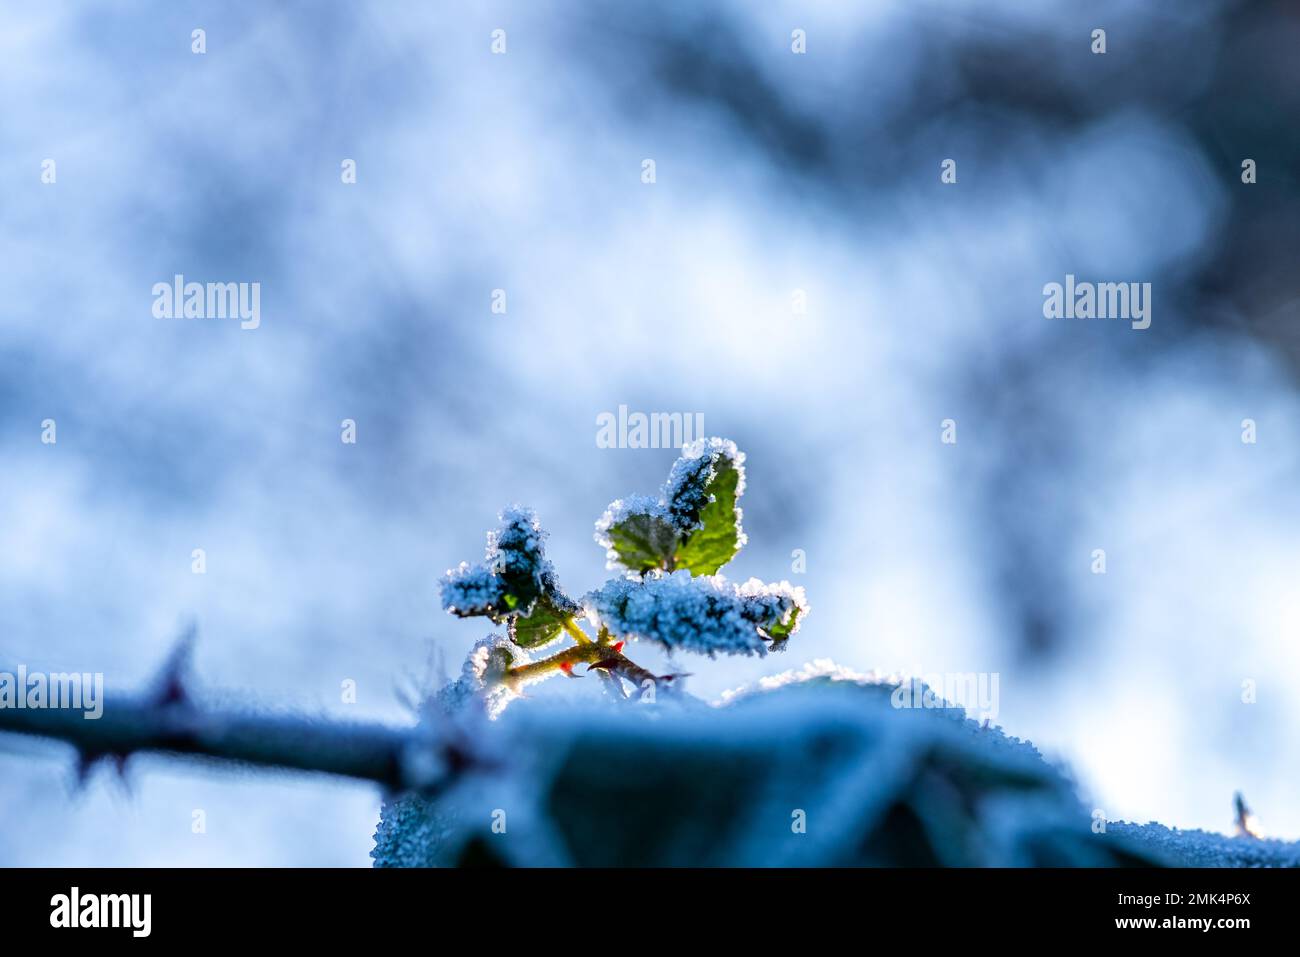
<point x="775" y="172"/>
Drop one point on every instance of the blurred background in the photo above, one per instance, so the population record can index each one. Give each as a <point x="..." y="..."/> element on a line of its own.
<point x="775" y="172"/>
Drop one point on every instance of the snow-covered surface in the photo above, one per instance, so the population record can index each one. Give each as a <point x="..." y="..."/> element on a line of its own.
<point x="820" y="770"/>
<point x="814" y="767"/>
<point x="1179" y="848"/>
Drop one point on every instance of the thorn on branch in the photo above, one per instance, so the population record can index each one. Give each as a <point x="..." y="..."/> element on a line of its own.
<point x="169" y="686"/>
<point x="88" y="760"/>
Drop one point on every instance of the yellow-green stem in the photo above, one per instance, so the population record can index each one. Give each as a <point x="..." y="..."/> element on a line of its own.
<point x="576" y="633"/>
<point x="576" y="654"/>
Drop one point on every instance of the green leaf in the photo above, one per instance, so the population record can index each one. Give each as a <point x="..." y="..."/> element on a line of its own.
<point x="717" y="540"/>
<point x="544" y="624"/>
<point x="780" y="631"/>
<point x="643" y="541"/>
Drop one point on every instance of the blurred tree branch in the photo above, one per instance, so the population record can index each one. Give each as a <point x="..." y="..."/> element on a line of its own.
<point x="167" y="720"/>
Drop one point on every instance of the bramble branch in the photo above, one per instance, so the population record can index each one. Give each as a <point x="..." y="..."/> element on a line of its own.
<point x="166" y="720"/>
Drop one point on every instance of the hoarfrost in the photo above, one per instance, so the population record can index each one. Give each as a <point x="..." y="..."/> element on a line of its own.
<point x="514" y="574"/>
<point x="470" y="590"/>
<point x="619" y="511"/>
<point x="682" y="497"/>
<point x="823" y="668"/>
<point x="1180" y="848"/>
<point x="707" y="614"/>
<point x="877" y="786"/>
<point x="684" y="493"/>
<point x="482" y="677"/>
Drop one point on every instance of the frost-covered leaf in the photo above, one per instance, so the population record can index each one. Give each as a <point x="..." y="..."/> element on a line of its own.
<point x="545" y="623"/>
<point x="513" y="576"/>
<point x="705" y="614"/>
<point x="637" y="534"/>
<point x="690" y="481"/>
<point x="470" y="590"/>
<point x="777" y="609"/>
<point x="718" y="536"/>
<point x="695" y="524"/>
<point x="515" y="556"/>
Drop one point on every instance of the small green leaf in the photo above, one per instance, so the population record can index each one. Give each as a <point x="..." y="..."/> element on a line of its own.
<point x="781" y="631"/>
<point x="544" y="624"/>
<point x="718" y="537"/>
<point x="643" y="541"/>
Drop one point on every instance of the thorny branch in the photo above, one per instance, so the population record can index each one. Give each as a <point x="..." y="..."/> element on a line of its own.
<point x="603" y="657"/>
<point x="167" y="720"/>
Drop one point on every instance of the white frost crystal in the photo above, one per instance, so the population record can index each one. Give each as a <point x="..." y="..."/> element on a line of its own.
<point x="706" y="614"/>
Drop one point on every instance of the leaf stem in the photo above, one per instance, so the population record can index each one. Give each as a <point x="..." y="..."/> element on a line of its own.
<point x="576" y="633"/>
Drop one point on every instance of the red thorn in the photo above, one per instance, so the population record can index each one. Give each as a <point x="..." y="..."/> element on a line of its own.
<point x="618" y="646"/>
<point x="567" y="667"/>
